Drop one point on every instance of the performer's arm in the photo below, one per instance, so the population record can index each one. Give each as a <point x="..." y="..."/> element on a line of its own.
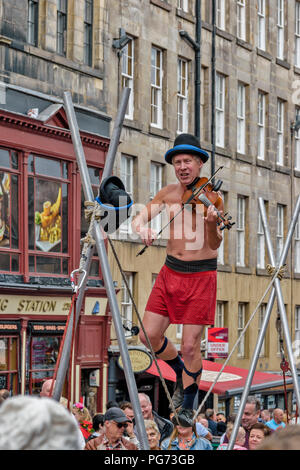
<point x="214" y="234"/>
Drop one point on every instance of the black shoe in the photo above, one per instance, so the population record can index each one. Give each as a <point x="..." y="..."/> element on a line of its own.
<point x="177" y="397"/>
<point x="185" y="418"/>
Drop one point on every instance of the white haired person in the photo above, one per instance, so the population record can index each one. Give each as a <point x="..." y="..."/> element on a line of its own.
<point x="46" y="425"/>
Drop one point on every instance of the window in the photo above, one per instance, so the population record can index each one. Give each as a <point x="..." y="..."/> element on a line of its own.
<point x="9" y="363"/>
<point x="127" y="164"/>
<point x="260" y="244"/>
<point x="221" y="258"/>
<point x="48" y="215"/>
<point x="126" y="302"/>
<point x="156" y="87"/>
<point x="88" y="32"/>
<point x="182" y="96"/>
<point x="61" y="39"/>
<point x="280" y="29"/>
<point x="183" y="5"/>
<point x="241" y="118"/>
<point x="261" y="111"/>
<point x="155" y="186"/>
<point x="241" y="19"/>
<point x="220" y="315"/>
<point x="297" y="141"/>
<point x="42" y="352"/>
<point x="297" y="247"/>
<point x="297" y="330"/>
<point x="262" y="312"/>
<point x="279" y="231"/>
<point x="9" y="211"/>
<point x="261" y="12"/>
<point x="32" y="22"/>
<point x="297" y="34"/>
<point x="240" y="231"/>
<point x="280" y="132"/>
<point x="241" y="326"/>
<point x="128" y="75"/>
<point x="220" y="110"/>
<point x="220" y="14"/>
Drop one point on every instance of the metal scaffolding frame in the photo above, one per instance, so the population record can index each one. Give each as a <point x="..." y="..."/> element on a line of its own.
<point x="98" y="236"/>
<point x="276" y="292"/>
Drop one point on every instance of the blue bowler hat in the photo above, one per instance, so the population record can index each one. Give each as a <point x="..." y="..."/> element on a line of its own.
<point x="186" y="143"/>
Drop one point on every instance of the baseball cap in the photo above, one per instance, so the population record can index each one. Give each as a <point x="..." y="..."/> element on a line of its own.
<point x="116" y="414"/>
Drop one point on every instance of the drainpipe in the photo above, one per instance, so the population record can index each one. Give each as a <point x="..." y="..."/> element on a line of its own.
<point x="213" y="89"/>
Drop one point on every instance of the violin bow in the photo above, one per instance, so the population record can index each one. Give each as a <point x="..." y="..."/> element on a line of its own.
<point x="194" y="194"/>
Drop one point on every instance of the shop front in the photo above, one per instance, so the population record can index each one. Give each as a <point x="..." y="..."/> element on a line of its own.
<point x="42" y="223"/>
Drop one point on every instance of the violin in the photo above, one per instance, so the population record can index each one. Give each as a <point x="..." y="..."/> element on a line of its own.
<point x="201" y="191"/>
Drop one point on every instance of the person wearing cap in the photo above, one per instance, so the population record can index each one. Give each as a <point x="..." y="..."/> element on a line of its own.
<point x="185" y="437"/>
<point x="115" y="422"/>
<point x="185" y="289"/>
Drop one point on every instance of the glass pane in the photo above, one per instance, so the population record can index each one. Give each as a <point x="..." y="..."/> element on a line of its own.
<point x="44" y="352"/>
<point x="31" y="225"/>
<point x="64" y="170"/>
<point x="65" y="265"/>
<point x="37" y="380"/>
<point x="4" y="262"/>
<point x="3" y="381"/>
<point x="64" y="218"/>
<point x="3" y="354"/>
<point x="5" y="220"/>
<point x="14" y="211"/>
<point x="14" y="160"/>
<point x="94" y="271"/>
<point x="4" y="158"/>
<point x="47" y="219"/>
<point x="94" y="174"/>
<point x="13" y="354"/>
<point x="15" y="263"/>
<point x="48" y="265"/>
<point x="45" y="166"/>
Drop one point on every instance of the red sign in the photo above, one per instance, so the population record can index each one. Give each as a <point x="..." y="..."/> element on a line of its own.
<point x="217" y="343"/>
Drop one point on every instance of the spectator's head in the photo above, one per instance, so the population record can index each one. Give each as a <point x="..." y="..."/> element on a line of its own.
<point x="46" y="425"/>
<point x="98" y="422"/>
<point x="278" y="415"/>
<point x="210" y="414"/>
<point x="46" y="388"/>
<point x="115" y="422"/>
<point x="265" y="415"/>
<point x="221" y="417"/>
<point x="81" y="413"/>
<point x="257" y="434"/>
<point x="146" y="406"/>
<point x="153" y="434"/>
<point x="126" y="406"/>
<point x="251" y="413"/>
<point x="287" y="438"/>
<point x="4" y="394"/>
<point x="111" y="403"/>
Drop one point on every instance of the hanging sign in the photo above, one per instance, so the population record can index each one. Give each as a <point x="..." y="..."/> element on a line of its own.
<point x="140" y="360"/>
<point x="217" y="343"/>
<point x="47" y="327"/>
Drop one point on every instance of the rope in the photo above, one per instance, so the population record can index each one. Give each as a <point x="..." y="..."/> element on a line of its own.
<point x="275" y="272"/>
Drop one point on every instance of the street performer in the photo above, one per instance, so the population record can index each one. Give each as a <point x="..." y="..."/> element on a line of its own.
<point x="185" y="289"/>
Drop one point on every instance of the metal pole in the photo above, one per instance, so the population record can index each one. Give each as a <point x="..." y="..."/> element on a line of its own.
<point x="277" y="286"/>
<point x="276" y="289"/>
<point x="108" y="281"/>
<point x="198" y="69"/>
<point x="213" y="89"/>
<point x="108" y="167"/>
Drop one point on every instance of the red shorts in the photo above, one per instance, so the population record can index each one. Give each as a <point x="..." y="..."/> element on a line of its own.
<point x="186" y="298"/>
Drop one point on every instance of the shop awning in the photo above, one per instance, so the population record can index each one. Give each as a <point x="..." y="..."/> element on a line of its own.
<point x="231" y="382"/>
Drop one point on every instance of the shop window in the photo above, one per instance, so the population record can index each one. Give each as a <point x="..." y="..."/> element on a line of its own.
<point x="9" y="363"/>
<point x="47" y="215"/>
<point x="9" y="211"/>
<point x="42" y="353"/>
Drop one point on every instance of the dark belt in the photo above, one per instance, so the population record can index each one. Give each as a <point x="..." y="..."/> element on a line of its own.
<point x="196" y="266"/>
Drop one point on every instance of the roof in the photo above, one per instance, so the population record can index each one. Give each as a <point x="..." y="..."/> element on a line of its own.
<point x="231" y="382"/>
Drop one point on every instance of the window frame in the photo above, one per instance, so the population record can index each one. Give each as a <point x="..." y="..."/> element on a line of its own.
<point x="62" y="27"/>
<point x="88" y="32"/>
<point x="297" y="34"/>
<point x="241" y="118"/>
<point x="127" y="76"/>
<point x="280" y="132"/>
<point x="182" y="95"/>
<point x="240" y="228"/>
<point x="33" y="22"/>
<point x="261" y="125"/>
<point x="241" y="19"/>
<point x="156" y="102"/>
<point x="280" y="29"/>
<point x="220" y="109"/>
<point x="261" y="26"/>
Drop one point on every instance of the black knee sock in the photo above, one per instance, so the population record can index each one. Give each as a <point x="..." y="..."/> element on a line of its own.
<point x="177" y="365"/>
<point x="189" y="394"/>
